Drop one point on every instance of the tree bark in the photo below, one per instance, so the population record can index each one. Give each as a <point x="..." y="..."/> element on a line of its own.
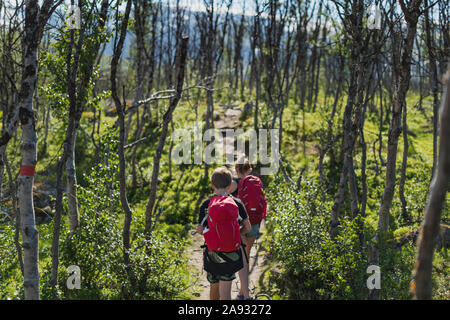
<point x="434" y="83"/>
<point x="35" y="20"/>
<point x="440" y="185"/>
<point x="401" y="186"/>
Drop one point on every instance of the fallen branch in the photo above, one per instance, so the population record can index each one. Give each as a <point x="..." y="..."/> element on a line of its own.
<point x="143" y="139"/>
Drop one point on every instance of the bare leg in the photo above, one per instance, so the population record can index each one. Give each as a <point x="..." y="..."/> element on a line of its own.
<point x="249" y="241"/>
<point x="243" y="276"/>
<point x="214" y="291"/>
<point x="225" y="290"/>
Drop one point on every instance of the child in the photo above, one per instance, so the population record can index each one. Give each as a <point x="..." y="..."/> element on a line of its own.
<point x="219" y="223"/>
<point x="250" y="192"/>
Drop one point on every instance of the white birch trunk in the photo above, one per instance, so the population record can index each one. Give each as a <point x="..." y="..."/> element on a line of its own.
<point x="72" y="199"/>
<point x="35" y="20"/>
<point x="30" y="235"/>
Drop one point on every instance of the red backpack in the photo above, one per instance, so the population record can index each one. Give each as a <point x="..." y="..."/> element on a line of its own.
<point x="250" y="192"/>
<point x="224" y="232"/>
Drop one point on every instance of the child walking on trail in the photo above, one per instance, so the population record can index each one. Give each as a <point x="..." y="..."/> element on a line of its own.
<point x="219" y="222"/>
<point x="249" y="190"/>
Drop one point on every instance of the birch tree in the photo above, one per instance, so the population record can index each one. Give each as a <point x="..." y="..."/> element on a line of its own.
<point x="35" y="20"/>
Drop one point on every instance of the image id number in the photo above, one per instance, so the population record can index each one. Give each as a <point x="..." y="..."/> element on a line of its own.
<point x="246" y="309"/>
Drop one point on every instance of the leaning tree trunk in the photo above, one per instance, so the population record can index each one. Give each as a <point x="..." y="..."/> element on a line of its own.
<point x="439" y="188"/>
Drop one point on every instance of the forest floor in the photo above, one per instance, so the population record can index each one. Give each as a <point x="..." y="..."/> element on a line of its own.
<point x="226" y="117"/>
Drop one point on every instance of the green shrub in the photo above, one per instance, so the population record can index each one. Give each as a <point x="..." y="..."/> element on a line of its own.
<point x="10" y="276"/>
<point x="314" y="266"/>
<point x="97" y="246"/>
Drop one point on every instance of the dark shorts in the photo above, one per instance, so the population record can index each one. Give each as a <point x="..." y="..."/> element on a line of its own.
<point x="253" y="232"/>
<point x="233" y="256"/>
<point x="215" y="278"/>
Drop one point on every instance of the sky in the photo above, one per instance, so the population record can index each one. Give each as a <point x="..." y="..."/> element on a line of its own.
<point x="236" y="7"/>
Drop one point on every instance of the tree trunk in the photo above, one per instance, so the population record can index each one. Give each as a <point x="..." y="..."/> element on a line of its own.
<point x="122" y="136"/>
<point x="347" y="150"/>
<point x="72" y="199"/>
<point x="434" y="83"/>
<point x="401" y="63"/>
<point x="436" y="201"/>
<point x="401" y="187"/>
<point x="180" y="70"/>
<point x="30" y="235"/>
<point x="399" y="100"/>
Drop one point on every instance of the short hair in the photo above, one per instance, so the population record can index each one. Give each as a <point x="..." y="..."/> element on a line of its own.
<point x="221" y="178"/>
<point x="242" y="165"/>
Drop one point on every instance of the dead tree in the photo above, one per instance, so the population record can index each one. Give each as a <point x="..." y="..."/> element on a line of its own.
<point x="140" y="17"/>
<point x="277" y="51"/>
<point x="212" y="27"/>
<point x="238" y="36"/>
<point x="148" y="61"/>
<point x="180" y="65"/>
<point x="256" y="61"/>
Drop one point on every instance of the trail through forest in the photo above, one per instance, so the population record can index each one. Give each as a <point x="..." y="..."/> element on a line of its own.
<point x="227" y="117"/>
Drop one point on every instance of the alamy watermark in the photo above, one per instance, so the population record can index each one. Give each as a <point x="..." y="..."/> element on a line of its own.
<point x="223" y="146"/>
<point x="74" y="279"/>
<point x="374" y="19"/>
<point x="374" y="280"/>
<point x="74" y="17"/>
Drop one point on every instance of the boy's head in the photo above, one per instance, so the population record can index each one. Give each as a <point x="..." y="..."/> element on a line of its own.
<point x="243" y="167"/>
<point x="221" y="178"/>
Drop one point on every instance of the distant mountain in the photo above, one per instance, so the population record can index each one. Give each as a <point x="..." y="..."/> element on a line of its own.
<point x="190" y="24"/>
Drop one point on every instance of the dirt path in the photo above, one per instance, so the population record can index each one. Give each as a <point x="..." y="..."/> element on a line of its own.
<point x="228" y="118"/>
